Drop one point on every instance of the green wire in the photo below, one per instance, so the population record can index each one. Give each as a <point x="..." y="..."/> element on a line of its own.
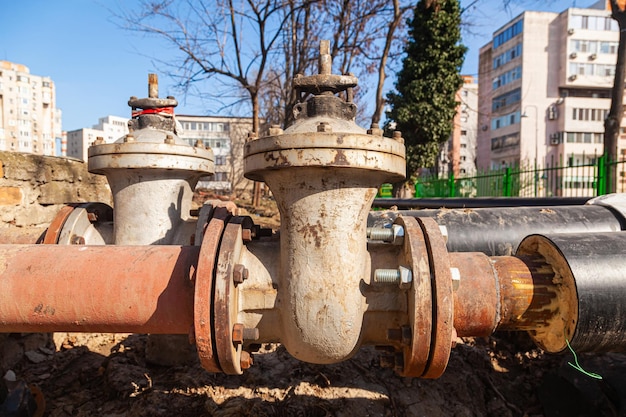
<point x="577" y="366"/>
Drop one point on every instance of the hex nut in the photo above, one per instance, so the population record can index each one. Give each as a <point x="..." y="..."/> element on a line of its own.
<point x="398" y="234"/>
<point x="406" y="278"/>
<point x="324" y="127"/>
<point x="275" y="130"/>
<point x="240" y="274"/>
<point x="238" y="333"/>
<point x="456" y="278"/>
<point x="246" y="360"/>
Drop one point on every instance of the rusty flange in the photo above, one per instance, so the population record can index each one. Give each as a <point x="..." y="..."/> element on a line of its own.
<point x="203" y="297"/>
<point x="419" y="299"/>
<point x="443" y="301"/>
<point x="225" y="303"/>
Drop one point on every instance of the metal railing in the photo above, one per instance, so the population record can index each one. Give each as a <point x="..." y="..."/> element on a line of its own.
<point x="574" y="176"/>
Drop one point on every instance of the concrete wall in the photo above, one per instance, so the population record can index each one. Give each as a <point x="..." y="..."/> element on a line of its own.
<point x="33" y="188"/>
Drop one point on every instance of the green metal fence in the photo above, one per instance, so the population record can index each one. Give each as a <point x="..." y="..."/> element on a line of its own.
<point x="573" y="176"/>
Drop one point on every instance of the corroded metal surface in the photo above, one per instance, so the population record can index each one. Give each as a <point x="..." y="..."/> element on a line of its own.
<point x="443" y="314"/>
<point x="420" y="307"/>
<point x="225" y="303"/>
<point x="476" y="299"/>
<point x="203" y="296"/>
<point x="141" y="289"/>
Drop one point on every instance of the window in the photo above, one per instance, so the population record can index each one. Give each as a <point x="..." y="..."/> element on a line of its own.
<point x="505" y="120"/>
<point x="220" y="160"/>
<point x="45" y="84"/>
<point x="507" y="56"/>
<point x="463" y="132"/>
<point x="507" y="99"/>
<point x="508" y="33"/>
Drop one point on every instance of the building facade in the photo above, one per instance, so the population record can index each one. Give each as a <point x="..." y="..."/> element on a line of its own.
<point x="226" y="136"/>
<point x="29" y="119"/>
<point x="458" y="155"/>
<point x="544" y="85"/>
<point x="109" y="128"/>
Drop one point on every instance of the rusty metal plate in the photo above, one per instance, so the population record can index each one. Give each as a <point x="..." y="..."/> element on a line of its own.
<point x="225" y="303"/>
<point x="419" y="299"/>
<point x="443" y="300"/>
<point x="203" y="298"/>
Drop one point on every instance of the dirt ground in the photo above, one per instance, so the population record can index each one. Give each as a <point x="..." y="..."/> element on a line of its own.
<point x="107" y="375"/>
<point x="501" y="376"/>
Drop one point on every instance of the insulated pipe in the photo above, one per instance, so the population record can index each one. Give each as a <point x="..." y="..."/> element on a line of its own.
<point x="117" y="289"/>
<point x="498" y="231"/>
<point x="476" y="202"/>
<point x="591" y="270"/>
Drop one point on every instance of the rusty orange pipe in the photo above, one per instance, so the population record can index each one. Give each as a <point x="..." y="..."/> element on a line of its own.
<point x="125" y="289"/>
<point x="500" y="293"/>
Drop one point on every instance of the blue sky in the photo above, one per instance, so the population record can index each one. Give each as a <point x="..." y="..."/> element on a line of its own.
<point x="97" y="66"/>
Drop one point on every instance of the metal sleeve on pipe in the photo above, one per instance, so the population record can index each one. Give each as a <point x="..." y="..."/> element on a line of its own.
<point x="128" y="289"/>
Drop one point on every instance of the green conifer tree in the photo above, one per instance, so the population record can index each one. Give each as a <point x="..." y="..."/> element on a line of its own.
<point x="424" y="103"/>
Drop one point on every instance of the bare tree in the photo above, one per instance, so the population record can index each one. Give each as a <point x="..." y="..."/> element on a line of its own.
<point x="209" y="36"/>
<point x="614" y="119"/>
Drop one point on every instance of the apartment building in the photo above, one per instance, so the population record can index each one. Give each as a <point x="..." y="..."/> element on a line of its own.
<point x="109" y="128"/>
<point x="29" y="119"/>
<point x="226" y="136"/>
<point x="458" y="155"/>
<point x="544" y="88"/>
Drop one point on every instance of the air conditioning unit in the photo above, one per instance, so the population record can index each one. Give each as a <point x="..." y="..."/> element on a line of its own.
<point x="555" y="139"/>
<point x="570" y="31"/>
<point x="592" y="57"/>
<point x="573" y="55"/>
<point x="553" y="113"/>
<point x="573" y="77"/>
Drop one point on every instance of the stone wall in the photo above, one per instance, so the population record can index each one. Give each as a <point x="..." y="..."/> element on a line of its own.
<point x="33" y="188"/>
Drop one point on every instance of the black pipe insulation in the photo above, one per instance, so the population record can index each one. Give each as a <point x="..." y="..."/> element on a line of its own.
<point x="498" y="231"/>
<point x="476" y="202"/>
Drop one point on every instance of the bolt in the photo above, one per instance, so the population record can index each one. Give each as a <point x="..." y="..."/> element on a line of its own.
<point x="456" y="278"/>
<point x="169" y="139"/>
<point x="375" y="130"/>
<point x="246" y="360"/>
<point x="397" y="136"/>
<point x="238" y="333"/>
<point x="402" y="335"/>
<point x="251" y="136"/>
<point x="250" y="333"/>
<point x="240" y="274"/>
<point x="129" y="138"/>
<point x="324" y="127"/>
<point x="275" y="130"/>
<point x="241" y="333"/>
<point x="246" y="235"/>
<point x="92" y="217"/>
<point x="402" y="277"/>
<point x="77" y="240"/>
<point x="393" y="234"/>
<point x="99" y="141"/>
<point x="199" y="144"/>
<point x="133" y="98"/>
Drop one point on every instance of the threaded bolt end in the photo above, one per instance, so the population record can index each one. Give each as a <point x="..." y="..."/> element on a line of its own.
<point x="387" y="276"/>
<point x="380" y="234"/>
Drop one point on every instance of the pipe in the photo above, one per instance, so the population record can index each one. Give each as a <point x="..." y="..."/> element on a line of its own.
<point x="476" y="202"/>
<point x="498" y="231"/>
<point x="117" y="289"/>
<point x="590" y="273"/>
